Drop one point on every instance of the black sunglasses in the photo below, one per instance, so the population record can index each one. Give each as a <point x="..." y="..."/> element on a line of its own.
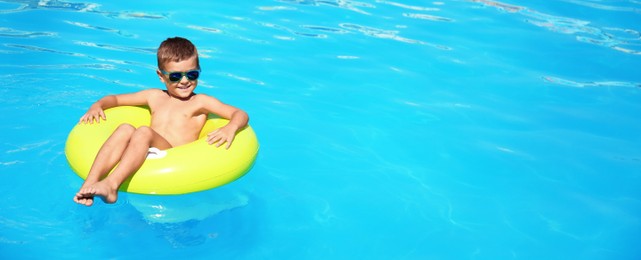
<point x="175" y="76"/>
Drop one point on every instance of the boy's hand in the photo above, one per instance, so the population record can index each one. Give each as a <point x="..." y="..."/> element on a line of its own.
<point x="222" y="135"/>
<point x="93" y="114"/>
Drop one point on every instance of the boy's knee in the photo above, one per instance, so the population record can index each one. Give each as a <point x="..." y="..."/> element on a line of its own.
<point x="143" y="132"/>
<point x="126" y="129"/>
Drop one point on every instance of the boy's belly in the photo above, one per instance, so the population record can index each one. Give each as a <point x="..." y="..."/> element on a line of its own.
<point x="178" y="136"/>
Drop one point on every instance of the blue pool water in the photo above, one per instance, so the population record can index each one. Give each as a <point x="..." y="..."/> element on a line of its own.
<point x="388" y="129"/>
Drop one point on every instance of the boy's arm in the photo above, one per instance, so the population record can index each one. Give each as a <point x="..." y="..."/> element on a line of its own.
<point x="237" y="120"/>
<point x="96" y="111"/>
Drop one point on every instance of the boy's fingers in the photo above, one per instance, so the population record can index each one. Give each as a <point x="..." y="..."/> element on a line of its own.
<point x="218" y="139"/>
<point x="222" y="141"/>
<point x="213" y="139"/>
<point x="213" y="132"/>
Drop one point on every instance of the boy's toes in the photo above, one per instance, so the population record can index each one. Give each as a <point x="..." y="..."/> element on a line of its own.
<point x="84" y="197"/>
<point x="80" y="200"/>
<point x="84" y="201"/>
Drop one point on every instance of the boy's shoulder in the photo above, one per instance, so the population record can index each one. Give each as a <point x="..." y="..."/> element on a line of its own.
<point x="150" y="92"/>
<point x="154" y="91"/>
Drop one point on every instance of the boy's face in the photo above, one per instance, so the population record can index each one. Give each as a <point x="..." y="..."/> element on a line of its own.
<point x="183" y="88"/>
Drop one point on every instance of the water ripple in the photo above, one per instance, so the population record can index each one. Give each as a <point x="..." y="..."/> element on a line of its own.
<point x="324" y="29"/>
<point x="257" y="82"/>
<point x="606" y="7"/>
<point x="349" y="27"/>
<point x="76" y="54"/>
<point x="275" y="8"/>
<point x="41" y="49"/>
<point x="117" y="82"/>
<point x="117" y="48"/>
<point x="11" y="162"/>
<point x="387" y="34"/>
<point x="343" y="4"/>
<point x="614" y="38"/>
<point x="135" y="15"/>
<point x="347" y="57"/>
<point x="501" y="6"/>
<point x="377" y="33"/>
<point x="27" y="147"/>
<point x="229" y="29"/>
<point x="571" y="83"/>
<point x="428" y="17"/>
<point x="100" y="28"/>
<point x="410" y="7"/>
<point x="98" y="66"/>
<point x="311" y="35"/>
<point x="283" y="28"/>
<point x="53" y="5"/>
<point x="13" y="33"/>
<point x="204" y="29"/>
<point x="30" y="5"/>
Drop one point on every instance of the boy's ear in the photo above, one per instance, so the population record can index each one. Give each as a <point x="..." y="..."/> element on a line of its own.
<point x="160" y="75"/>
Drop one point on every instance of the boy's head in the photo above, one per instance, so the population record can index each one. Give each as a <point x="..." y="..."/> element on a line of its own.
<point x="176" y="49"/>
<point x="178" y="67"/>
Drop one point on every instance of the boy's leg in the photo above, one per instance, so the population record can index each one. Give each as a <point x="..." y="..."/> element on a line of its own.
<point x="110" y="153"/>
<point x="135" y="154"/>
<point x="132" y="158"/>
<point x="107" y="157"/>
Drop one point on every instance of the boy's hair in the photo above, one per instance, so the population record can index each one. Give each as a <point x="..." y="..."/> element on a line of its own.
<point x="176" y="49"/>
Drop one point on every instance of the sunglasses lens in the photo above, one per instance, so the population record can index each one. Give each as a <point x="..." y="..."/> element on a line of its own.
<point x="193" y="75"/>
<point x="175" y="76"/>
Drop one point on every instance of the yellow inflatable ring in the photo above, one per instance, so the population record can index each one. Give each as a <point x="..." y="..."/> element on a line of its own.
<point x="187" y="168"/>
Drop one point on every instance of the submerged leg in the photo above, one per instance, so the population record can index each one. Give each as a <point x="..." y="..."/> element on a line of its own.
<point x="132" y="158"/>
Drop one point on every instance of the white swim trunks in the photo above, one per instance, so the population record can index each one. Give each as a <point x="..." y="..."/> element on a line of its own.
<point x="155" y="153"/>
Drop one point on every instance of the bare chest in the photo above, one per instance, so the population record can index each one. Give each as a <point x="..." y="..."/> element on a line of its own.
<point x="177" y="120"/>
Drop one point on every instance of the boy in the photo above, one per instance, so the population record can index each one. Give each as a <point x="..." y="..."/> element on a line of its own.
<point x="177" y="117"/>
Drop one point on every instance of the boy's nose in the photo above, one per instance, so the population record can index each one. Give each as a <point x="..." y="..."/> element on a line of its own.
<point x="184" y="79"/>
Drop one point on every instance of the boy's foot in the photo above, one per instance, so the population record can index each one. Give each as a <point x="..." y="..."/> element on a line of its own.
<point x="101" y="189"/>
